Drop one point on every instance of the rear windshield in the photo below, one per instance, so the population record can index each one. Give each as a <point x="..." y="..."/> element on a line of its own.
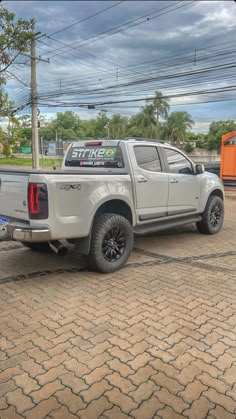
<point x="95" y="156"/>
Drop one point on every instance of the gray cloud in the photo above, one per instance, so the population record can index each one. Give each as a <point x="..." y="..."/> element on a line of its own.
<point x="193" y="27"/>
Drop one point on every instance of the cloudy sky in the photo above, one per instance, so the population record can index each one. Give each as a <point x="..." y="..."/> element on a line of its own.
<point x="128" y="52"/>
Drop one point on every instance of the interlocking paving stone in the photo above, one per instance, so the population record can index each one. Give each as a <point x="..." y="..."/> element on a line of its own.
<point x="156" y="339"/>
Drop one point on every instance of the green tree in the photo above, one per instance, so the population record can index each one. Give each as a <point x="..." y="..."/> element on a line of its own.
<point x="26" y="135"/>
<point x="188" y="147"/>
<point x="66" y="134"/>
<point x="4" y="142"/>
<point x="86" y="129"/>
<point x="161" y="108"/>
<point x="5" y="113"/>
<point x="64" y="127"/>
<point x="15" y="37"/>
<point x="134" y="126"/>
<point x="6" y="105"/>
<point x="66" y="120"/>
<point x="101" y="123"/>
<point x="47" y="133"/>
<point x="117" y="126"/>
<point x="176" y="127"/>
<point x="146" y="121"/>
<point x="216" y="130"/>
<point x="202" y="140"/>
<point x="25" y="121"/>
<point x="12" y="138"/>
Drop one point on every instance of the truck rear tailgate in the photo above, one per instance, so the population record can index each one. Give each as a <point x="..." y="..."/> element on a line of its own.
<point x="13" y="195"/>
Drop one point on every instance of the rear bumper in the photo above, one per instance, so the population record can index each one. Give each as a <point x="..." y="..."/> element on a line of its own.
<point x="31" y="235"/>
<point x="22" y="231"/>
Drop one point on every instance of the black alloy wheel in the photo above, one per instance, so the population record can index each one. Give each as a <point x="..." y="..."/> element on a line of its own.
<point x="114" y="244"/>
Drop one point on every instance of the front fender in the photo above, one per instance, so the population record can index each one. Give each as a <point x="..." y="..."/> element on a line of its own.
<point x="210" y="183"/>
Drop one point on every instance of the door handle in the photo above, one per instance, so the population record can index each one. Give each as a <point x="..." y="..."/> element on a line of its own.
<point x="174" y="181"/>
<point x="141" y="179"/>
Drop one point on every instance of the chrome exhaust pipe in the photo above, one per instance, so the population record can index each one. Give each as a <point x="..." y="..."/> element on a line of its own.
<point x="58" y="247"/>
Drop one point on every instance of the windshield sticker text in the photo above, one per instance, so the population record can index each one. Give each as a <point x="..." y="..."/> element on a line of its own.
<point x="93" y="153"/>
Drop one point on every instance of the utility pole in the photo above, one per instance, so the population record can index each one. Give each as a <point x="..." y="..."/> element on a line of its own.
<point x="34" y="109"/>
<point x="34" y="100"/>
<point x="41" y="139"/>
<point x="57" y="145"/>
<point x="157" y="123"/>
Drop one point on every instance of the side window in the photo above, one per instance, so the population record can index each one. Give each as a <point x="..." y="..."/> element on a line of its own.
<point x="147" y="158"/>
<point x="231" y="141"/>
<point x="177" y="162"/>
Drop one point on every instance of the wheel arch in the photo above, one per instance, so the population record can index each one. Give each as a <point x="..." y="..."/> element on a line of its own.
<point x="114" y="206"/>
<point x="217" y="192"/>
<point x="212" y="224"/>
<point x="207" y="193"/>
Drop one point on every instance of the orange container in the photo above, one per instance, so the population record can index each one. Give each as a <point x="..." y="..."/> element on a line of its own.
<point x="228" y="160"/>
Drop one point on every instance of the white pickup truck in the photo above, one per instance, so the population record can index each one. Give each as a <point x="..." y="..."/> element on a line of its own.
<point x="106" y="192"/>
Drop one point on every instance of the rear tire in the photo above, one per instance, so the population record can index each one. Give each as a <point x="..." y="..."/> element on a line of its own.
<point x="111" y="243"/>
<point x="213" y="216"/>
<point x="42" y="247"/>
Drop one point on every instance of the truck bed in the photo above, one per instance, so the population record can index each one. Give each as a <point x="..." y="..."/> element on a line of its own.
<point x="61" y="172"/>
<point x="72" y="197"/>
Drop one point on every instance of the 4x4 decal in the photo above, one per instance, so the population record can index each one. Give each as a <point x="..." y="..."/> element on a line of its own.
<point x="73" y="186"/>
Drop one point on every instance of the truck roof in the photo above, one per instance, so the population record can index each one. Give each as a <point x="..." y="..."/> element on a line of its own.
<point x="147" y="140"/>
<point x="116" y="142"/>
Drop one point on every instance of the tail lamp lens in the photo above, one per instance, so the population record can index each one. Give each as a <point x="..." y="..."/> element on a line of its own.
<point x="34" y="206"/>
<point x="38" y="201"/>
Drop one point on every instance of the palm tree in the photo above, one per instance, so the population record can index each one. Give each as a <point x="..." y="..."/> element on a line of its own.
<point x="176" y="127"/>
<point x="117" y="125"/>
<point x="161" y="107"/>
<point x="146" y="121"/>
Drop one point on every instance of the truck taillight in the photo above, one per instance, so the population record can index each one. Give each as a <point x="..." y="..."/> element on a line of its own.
<point x="34" y="206"/>
<point x="38" y="201"/>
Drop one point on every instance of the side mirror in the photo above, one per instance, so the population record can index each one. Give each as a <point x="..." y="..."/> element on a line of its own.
<point x="199" y="169"/>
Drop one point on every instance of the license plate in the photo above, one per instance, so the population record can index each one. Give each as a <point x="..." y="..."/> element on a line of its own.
<point x="3" y="227"/>
<point x="4" y="220"/>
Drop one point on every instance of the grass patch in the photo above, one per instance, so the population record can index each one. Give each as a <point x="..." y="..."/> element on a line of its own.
<point x="20" y="161"/>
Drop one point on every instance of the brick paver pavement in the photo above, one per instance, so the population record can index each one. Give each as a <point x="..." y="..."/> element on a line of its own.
<point x="156" y="339"/>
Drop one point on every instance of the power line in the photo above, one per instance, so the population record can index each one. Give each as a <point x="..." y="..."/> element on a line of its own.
<point x="179" y="95"/>
<point x="120" y="26"/>
<point x="66" y="45"/>
<point x="222" y="89"/>
<point x="128" y="27"/>
<point x="113" y="111"/>
<point x="84" y="52"/>
<point x="96" y="75"/>
<point x="114" y="90"/>
<point x="163" y="77"/>
<point x="163" y="60"/>
<point x="159" y="60"/>
<point x="203" y="78"/>
<point x="77" y="58"/>
<point x="87" y="18"/>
